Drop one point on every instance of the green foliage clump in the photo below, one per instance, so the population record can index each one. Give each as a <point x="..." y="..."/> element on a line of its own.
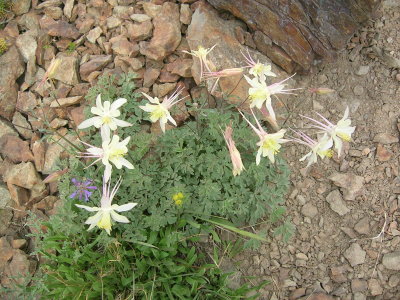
<point x="3" y="46"/>
<point x="71" y="47"/>
<point x="5" y="6"/>
<point x="192" y="160"/>
<point x="80" y="265"/>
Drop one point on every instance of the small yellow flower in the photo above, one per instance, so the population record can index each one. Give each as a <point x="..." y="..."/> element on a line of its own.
<point x="178" y="198"/>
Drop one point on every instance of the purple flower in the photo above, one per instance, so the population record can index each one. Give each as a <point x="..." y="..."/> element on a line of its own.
<point x="82" y="189"/>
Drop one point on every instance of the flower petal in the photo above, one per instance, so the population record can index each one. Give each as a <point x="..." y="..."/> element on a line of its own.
<point x="126" y="163"/>
<point x="98" y="102"/>
<point x="122" y="123"/>
<point x="94" y="219"/>
<point x="124" y="207"/>
<point x="118" y="218"/>
<point x="95" y="121"/>
<point x="118" y="103"/>
<point x="88" y="208"/>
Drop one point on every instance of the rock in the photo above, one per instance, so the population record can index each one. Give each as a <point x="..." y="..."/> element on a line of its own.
<point x="113" y="22"/>
<point x="351" y="184"/>
<point x="39" y="150"/>
<point x="317" y="296"/>
<point x="80" y="89"/>
<point x="394" y="280"/>
<point x="150" y="76"/>
<point x="297" y="293"/>
<point x="18" y="243"/>
<point x="181" y="67"/>
<point x="22" y="125"/>
<point x="17" y="271"/>
<point x="12" y="67"/>
<point x="94" y="34"/>
<point x="48" y="3"/>
<point x="336" y="203"/>
<point x="69" y="5"/>
<point x="374" y="287"/>
<point x="67" y="71"/>
<point x="5" y="197"/>
<point x="391" y="261"/>
<point x="26" y="101"/>
<point x="355" y="254"/>
<point x="77" y="115"/>
<point x="5" y="218"/>
<point x="23" y="175"/>
<point x="362" y="70"/>
<point x="96" y="63"/>
<point x="6" y="128"/>
<point x="46" y="203"/>
<point x="59" y="28"/>
<point x="161" y="90"/>
<point x="134" y="63"/>
<point x="338" y="274"/>
<point x="166" y="34"/>
<point x="57" y="123"/>
<point x="166" y="76"/>
<point x="309" y="210"/>
<point x="151" y="9"/>
<point x="359" y="296"/>
<point x="64" y="102"/>
<point x="186" y="14"/>
<point x="121" y="46"/>
<point x="20" y="7"/>
<point x="141" y="31"/>
<point x="27" y="45"/>
<point x="358" y="285"/>
<point x="362" y="226"/>
<point x="140" y="18"/>
<point x="55" y="13"/>
<point x="358" y="90"/>
<point x="385" y="138"/>
<point x="15" y="149"/>
<point x="382" y="154"/>
<point x="53" y="153"/>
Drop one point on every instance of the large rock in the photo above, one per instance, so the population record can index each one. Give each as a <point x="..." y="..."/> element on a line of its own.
<point x="59" y="28"/>
<point x="391" y="261"/>
<point x="166" y="34"/>
<point x="5" y="197"/>
<point x="351" y="184"/>
<point x="23" y="175"/>
<point x="20" y="7"/>
<point x="27" y="45"/>
<point x="67" y="70"/>
<point x="15" y="149"/>
<point x="301" y="31"/>
<point x="11" y="67"/>
<point x="96" y="63"/>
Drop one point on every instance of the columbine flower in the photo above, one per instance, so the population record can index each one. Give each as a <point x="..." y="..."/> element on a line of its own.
<point x="258" y="69"/>
<point x="233" y="151"/>
<point x="260" y="92"/>
<point x="111" y="152"/>
<point x="160" y="111"/>
<point x="82" y="189"/>
<point x="178" y="198"/>
<point x="322" y="148"/>
<point x="270" y="143"/>
<point x="201" y="53"/>
<point x="107" y="115"/>
<point x="106" y="211"/>
<point x="221" y="74"/>
<point x="341" y="131"/>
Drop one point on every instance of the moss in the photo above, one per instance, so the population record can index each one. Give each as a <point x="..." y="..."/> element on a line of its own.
<point x="3" y="46"/>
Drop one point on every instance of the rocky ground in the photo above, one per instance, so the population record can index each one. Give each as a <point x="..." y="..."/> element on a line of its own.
<point x="346" y="243"/>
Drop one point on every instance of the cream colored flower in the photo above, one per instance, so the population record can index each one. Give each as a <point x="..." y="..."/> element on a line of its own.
<point x="107" y="115"/>
<point x="233" y="151"/>
<point x="107" y="211"/>
<point x="160" y="111"/>
<point x="201" y="53"/>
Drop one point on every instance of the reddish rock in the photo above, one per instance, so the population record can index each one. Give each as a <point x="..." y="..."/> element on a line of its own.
<point x="18" y="270"/>
<point x="151" y="9"/>
<point x="317" y="296"/>
<point x="186" y="14"/>
<point x="15" y="149"/>
<point x="23" y="175"/>
<point x="166" y="76"/>
<point x="150" y="76"/>
<point x="39" y="150"/>
<point x="59" y="28"/>
<point x="141" y="31"/>
<point x="181" y="67"/>
<point x="67" y="70"/>
<point x="64" y="102"/>
<point x="12" y="67"/>
<point x="22" y="125"/>
<point x="121" y="46"/>
<point x="18" y="243"/>
<point x="382" y="154"/>
<point x="46" y="203"/>
<point x="96" y="63"/>
<point x="166" y="34"/>
<point x="18" y="194"/>
<point x="161" y="90"/>
<point x="80" y="89"/>
<point x="338" y="274"/>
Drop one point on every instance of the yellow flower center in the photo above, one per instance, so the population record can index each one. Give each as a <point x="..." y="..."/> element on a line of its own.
<point x="201" y="52"/>
<point x="106" y="120"/>
<point x="105" y="222"/>
<point x="116" y="153"/>
<point x="271" y="144"/>
<point x="157" y="114"/>
<point x="258" y="94"/>
<point x="327" y="153"/>
<point x="344" y="136"/>
<point x="178" y="198"/>
<point x="258" y="68"/>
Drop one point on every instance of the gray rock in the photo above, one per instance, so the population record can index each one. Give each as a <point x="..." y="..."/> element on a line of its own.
<point x="355" y="255"/>
<point x="336" y="203"/>
<point x="394" y="280"/>
<point x="362" y="226"/>
<point x="94" y="34"/>
<point x="6" y="128"/>
<point x="67" y="71"/>
<point x="362" y="70"/>
<point x="309" y="210"/>
<point x="375" y="287"/>
<point x="351" y="184"/>
<point x="22" y="125"/>
<point x="391" y="261"/>
<point x="5" y="218"/>
<point x="385" y="138"/>
<point x="27" y="45"/>
<point x="5" y="197"/>
<point x="20" y="7"/>
<point x="140" y="18"/>
<point x="359" y="296"/>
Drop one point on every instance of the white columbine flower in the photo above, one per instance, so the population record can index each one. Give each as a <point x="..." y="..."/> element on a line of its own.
<point x="258" y="69"/>
<point x="270" y="143"/>
<point x="107" y="115"/>
<point x="341" y="131"/>
<point x="107" y="211"/>
<point x="322" y="148"/>
<point x="112" y="151"/>
<point x="160" y="111"/>
<point x="201" y="53"/>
